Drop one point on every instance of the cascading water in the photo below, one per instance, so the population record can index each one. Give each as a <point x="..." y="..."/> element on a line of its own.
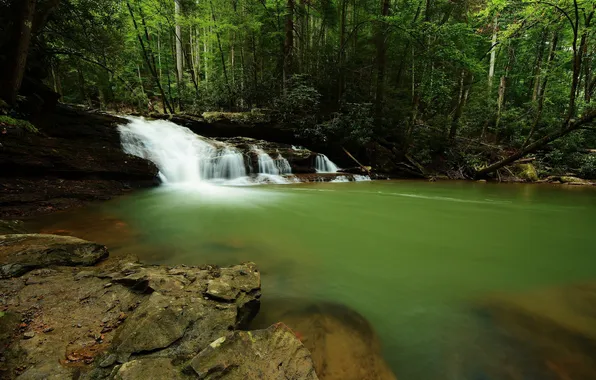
<point x="325" y="165"/>
<point x="184" y="157"/>
<point x="180" y="155"/>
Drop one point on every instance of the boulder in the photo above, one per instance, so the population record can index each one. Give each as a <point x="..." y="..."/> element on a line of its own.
<point x="187" y="308"/>
<point x="274" y="353"/>
<point x="526" y="172"/>
<point x="342" y="343"/>
<point x="21" y="253"/>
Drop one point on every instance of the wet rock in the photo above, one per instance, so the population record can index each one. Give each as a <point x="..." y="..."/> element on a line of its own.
<point x="12" y="227"/>
<point x="54" y="160"/>
<point x="21" y="253"/>
<point x="549" y="332"/>
<point x="342" y="343"/>
<point x="274" y="353"/>
<point x="151" y="368"/>
<point x="159" y="322"/>
<point x="182" y="310"/>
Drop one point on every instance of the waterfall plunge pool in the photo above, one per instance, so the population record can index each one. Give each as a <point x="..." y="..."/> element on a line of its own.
<point x="412" y="257"/>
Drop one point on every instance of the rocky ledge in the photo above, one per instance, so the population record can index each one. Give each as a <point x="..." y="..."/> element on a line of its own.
<point x="64" y="319"/>
<point x="73" y="158"/>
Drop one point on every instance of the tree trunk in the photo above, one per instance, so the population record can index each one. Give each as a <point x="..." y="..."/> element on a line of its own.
<point x="542" y="86"/>
<point x="572" y="126"/>
<point x="14" y="70"/>
<point x="503" y="85"/>
<point x="178" y="32"/>
<point x="147" y="58"/>
<point x="493" y="54"/>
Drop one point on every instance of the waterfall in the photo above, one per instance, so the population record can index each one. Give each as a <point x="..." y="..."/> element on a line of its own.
<point x="324" y="164"/>
<point x="268" y="165"/>
<point x="180" y="155"/>
<point x="184" y="157"/>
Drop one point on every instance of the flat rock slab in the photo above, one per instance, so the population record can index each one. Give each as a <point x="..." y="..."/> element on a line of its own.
<point x="274" y="353"/>
<point x="21" y="253"/>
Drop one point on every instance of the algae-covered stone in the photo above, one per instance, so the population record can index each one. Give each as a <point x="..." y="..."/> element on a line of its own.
<point x="20" y="253"/>
<point x="527" y="172"/>
<point x="274" y="353"/>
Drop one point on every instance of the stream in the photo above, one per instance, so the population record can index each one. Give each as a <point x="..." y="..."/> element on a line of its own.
<point x="414" y="258"/>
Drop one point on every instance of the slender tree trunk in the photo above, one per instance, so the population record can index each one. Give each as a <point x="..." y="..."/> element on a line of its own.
<point x="464" y="87"/>
<point x="503" y="85"/>
<point x="147" y="58"/>
<point x="493" y="54"/>
<point x="178" y="33"/>
<point x="542" y="86"/>
<point x="14" y="70"/>
<point x="538" y="67"/>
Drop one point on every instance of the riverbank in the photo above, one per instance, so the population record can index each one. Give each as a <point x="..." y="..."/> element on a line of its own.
<point x="70" y="312"/>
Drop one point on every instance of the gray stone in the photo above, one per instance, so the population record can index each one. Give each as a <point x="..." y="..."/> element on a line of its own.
<point x="21" y="253"/>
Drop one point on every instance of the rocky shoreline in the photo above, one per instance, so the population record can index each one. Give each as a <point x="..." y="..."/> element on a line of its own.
<point x="65" y="318"/>
<point x="69" y="312"/>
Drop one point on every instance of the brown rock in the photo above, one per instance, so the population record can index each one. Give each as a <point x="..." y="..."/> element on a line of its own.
<point x="21" y="253"/>
<point x="274" y="353"/>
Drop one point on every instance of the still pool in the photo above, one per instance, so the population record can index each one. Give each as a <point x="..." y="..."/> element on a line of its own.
<point x="412" y="257"/>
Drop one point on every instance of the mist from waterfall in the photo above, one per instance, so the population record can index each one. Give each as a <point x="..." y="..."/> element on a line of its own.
<point x="324" y="165"/>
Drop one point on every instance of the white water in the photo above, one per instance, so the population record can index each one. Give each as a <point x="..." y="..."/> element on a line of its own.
<point x="325" y="165"/>
<point x="183" y="157"/>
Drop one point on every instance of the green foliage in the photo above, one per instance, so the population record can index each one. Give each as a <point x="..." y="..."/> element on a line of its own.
<point x="299" y="105"/>
<point x="18" y="123"/>
<point x="416" y="78"/>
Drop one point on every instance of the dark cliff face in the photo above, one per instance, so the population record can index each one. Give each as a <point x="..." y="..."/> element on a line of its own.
<point x="76" y="157"/>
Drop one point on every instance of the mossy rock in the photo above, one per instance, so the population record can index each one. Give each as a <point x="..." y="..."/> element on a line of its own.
<point x="527" y="172"/>
<point x="7" y="121"/>
<point x="237" y="117"/>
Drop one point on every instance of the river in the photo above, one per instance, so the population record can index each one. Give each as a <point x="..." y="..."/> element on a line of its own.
<point x="412" y="257"/>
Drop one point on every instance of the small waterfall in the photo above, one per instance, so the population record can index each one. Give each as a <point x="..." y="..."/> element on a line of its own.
<point x="268" y="165"/>
<point x="325" y="165"/>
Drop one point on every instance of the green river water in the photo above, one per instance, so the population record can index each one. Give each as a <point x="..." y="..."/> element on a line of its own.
<point x="412" y="257"/>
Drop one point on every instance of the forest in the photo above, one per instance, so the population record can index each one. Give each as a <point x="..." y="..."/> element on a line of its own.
<point x="465" y="86"/>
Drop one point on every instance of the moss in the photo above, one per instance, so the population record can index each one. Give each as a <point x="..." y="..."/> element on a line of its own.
<point x="527" y="172"/>
<point x="238" y="117"/>
<point x="19" y="123"/>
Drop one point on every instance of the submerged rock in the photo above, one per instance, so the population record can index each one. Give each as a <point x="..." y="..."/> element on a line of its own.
<point x="21" y="253"/>
<point x="548" y="333"/>
<point x="342" y="343"/>
<point x="273" y="353"/>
